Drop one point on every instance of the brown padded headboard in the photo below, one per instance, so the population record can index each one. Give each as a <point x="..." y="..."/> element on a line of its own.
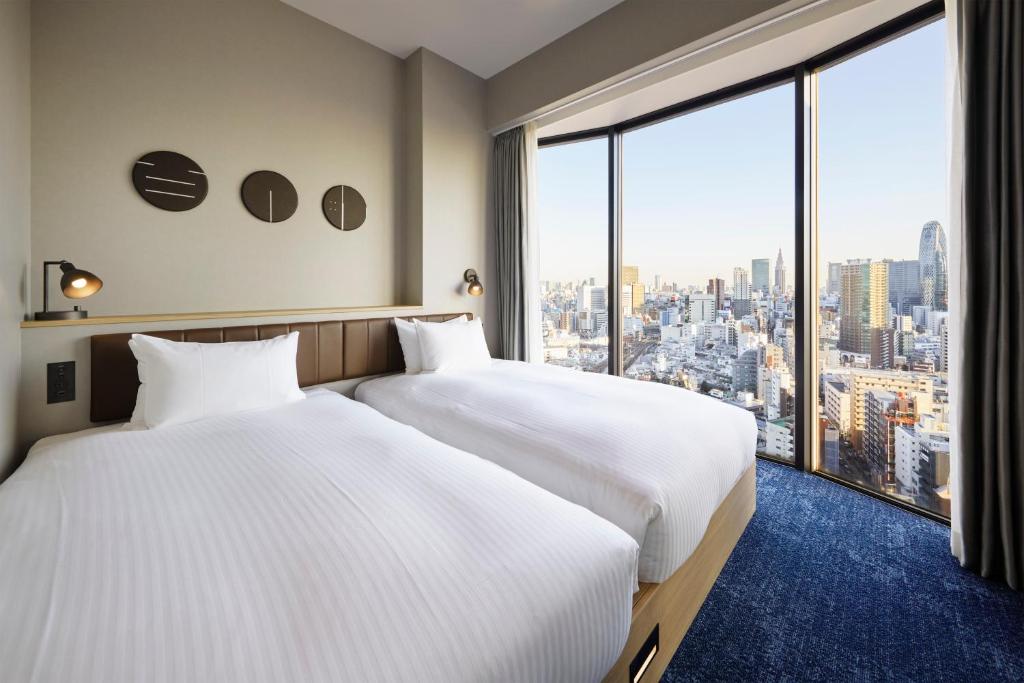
<point x="328" y="351"/>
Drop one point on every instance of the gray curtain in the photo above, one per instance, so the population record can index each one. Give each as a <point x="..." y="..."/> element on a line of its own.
<point x="991" y="44"/>
<point x="510" y="216"/>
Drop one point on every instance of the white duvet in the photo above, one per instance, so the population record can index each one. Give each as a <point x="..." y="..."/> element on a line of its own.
<point x="655" y="460"/>
<point x="320" y="541"/>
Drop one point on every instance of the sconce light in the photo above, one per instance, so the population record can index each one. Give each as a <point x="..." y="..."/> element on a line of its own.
<point x="75" y="283"/>
<point x="475" y="288"/>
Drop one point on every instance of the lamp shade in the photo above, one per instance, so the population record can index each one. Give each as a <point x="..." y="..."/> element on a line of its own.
<point x="77" y="283"/>
<point x="475" y="287"/>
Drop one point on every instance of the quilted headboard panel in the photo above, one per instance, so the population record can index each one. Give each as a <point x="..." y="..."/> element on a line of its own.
<point x="328" y="351"/>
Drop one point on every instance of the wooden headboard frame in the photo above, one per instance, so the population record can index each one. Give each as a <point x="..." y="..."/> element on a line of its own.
<point x="328" y="351"/>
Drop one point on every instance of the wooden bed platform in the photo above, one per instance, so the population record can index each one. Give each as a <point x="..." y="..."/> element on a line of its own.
<point x="662" y="613"/>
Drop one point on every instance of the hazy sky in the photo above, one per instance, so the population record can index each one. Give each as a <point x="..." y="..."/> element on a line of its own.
<point x="711" y="190"/>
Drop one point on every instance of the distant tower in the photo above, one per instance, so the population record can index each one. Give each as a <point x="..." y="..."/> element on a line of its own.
<point x="780" y="274"/>
<point x="759" y="275"/>
<point x="934" y="266"/>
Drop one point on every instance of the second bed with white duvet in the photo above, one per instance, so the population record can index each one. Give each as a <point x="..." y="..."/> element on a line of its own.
<point x="653" y="459"/>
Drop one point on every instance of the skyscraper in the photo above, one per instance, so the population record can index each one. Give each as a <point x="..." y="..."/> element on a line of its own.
<point x="904" y="285"/>
<point x="834" y="280"/>
<point x="864" y="307"/>
<point x="934" y="266"/>
<point x="716" y="287"/>
<point x="740" y="292"/>
<point x="631" y="277"/>
<point x="759" y="275"/>
<point x="780" y="274"/>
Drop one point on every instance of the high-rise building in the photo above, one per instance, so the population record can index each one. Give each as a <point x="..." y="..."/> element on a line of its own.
<point x="590" y="298"/>
<point x="716" y="287"/>
<point x="759" y="275"/>
<point x="917" y="386"/>
<point x="702" y="308"/>
<point x="780" y="274"/>
<point x="932" y="255"/>
<point x="834" y="280"/>
<point x="657" y="283"/>
<point x="631" y="277"/>
<point x="864" y="310"/>
<point x="740" y="283"/>
<point x="904" y="285"/>
<point x="744" y="371"/>
<point x="885" y="411"/>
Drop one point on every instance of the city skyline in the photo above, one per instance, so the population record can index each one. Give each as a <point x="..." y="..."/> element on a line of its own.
<point x="671" y="207"/>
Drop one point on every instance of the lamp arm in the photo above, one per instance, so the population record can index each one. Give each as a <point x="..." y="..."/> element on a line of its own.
<point x="46" y="282"/>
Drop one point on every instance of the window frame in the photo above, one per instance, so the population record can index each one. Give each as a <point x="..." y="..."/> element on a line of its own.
<point x="804" y="77"/>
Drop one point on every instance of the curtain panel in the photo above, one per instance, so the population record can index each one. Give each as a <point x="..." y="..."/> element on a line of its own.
<point x="516" y="243"/>
<point x="991" y="440"/>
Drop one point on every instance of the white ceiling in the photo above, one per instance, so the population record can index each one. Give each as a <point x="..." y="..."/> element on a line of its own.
<point x="482" y="36"/>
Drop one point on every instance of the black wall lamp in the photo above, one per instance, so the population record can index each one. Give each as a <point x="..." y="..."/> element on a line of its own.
<point x="75" y="283"/>
<point x="475" y="288"/>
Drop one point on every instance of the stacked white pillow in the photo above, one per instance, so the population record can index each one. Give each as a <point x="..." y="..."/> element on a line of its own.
<point x="187" y="381"/>
<point x="410" y="342"/>
<point x="456" y="344"/>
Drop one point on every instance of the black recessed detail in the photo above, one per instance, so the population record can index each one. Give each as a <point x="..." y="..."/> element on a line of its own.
<point x="170" y="181"/>
<point x="269" y="196"/>
<point x="60" y="382"/>
<point x="344" y="207"/>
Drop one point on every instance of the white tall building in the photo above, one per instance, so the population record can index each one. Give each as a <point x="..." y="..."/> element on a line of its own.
<point x="702" y="308"/>
<point x="590" y="298"/>
<point x="740" y="284"/>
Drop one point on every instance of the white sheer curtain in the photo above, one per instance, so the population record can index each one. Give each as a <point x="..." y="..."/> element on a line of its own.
<point x="957" y="278"/>
<point x="534" y="352"/>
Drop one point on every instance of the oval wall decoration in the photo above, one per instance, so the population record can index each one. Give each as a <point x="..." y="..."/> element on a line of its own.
<point x="344" y="207"/>
<point x="169" y="181"/>
<point x="269" y="196"/>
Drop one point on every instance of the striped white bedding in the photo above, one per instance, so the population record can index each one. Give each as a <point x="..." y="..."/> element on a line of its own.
<point x="315" y="542"/>
<point x="654" y="459"/>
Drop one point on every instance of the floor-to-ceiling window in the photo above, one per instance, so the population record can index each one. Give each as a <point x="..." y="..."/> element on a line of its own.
<point x="708" y="253"/>
<point x="573" y="256"/>
<point x="727" y="207"/>
<point x="882" y="325"/>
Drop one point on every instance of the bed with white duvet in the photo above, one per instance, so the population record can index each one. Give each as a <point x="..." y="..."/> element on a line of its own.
<point x="317" y="541"/>
<point x="655" y="460"/>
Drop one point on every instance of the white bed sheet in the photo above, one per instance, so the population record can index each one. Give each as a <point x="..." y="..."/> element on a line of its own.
<point x="319" y="541"/>
<point x="653" y="459"/>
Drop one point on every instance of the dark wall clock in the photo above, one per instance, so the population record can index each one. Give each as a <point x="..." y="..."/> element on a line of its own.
<point x="344" y="207"/>
<point x="269" y="196"/>
<point x="169" y="181"/>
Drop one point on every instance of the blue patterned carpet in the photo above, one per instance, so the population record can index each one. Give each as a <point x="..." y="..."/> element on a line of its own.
<point x="831" y="585"/>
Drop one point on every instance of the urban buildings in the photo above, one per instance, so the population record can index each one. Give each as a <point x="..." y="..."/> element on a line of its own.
<point x="759" y="275"/>
<point x="932" y="257"/>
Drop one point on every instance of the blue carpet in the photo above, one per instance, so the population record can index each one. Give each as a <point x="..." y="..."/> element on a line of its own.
<point x="827" y="584"/>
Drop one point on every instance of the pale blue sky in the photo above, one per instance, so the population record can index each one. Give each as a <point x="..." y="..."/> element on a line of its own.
<point x="709" y="191"/>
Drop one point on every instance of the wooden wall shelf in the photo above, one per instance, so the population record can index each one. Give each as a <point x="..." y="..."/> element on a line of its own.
<point x="220" y="315"/>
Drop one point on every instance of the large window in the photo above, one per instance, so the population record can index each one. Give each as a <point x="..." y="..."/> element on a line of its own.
<point x="573" y="215"/>
<point x="883" y="295"/>
<point x="708" y="248"/>
<point x="824" y="181"/>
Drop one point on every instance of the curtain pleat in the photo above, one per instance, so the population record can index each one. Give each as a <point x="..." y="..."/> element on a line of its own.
<point x="992" y="415"/>
<point x="511" y="219"/>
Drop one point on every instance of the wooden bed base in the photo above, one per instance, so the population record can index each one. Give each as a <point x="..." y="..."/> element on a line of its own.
<point x="670" y="607"/>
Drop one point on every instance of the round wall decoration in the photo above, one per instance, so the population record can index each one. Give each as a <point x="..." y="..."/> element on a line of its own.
<point x="169" y="181"/>
<point x="269" y="196"/>
<point x="344" y="207"/>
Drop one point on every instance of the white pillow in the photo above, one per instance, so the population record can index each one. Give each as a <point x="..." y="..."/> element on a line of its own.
<point x="411" y="342"/>
<point x="186" y="381"/>
<point x="453" y="347"/>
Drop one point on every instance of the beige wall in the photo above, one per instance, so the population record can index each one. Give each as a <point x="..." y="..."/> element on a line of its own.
<point x="418" y="124"/>
<point x="14" y="210"/>
<point x="239" y="86"/>
<point x="455" y="179"/>
<point x="624" y="39"/>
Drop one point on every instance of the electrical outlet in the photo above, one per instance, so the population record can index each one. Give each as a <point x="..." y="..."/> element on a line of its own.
<point x="60" y="382"/>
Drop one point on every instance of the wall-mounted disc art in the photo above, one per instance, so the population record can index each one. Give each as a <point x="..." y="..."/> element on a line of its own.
<point x="269" y="196"/>
<point x="344" y="207"/>
<point x="169" y="181"/>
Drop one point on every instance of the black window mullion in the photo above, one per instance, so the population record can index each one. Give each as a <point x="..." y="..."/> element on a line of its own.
<point x="614" y="296"/>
